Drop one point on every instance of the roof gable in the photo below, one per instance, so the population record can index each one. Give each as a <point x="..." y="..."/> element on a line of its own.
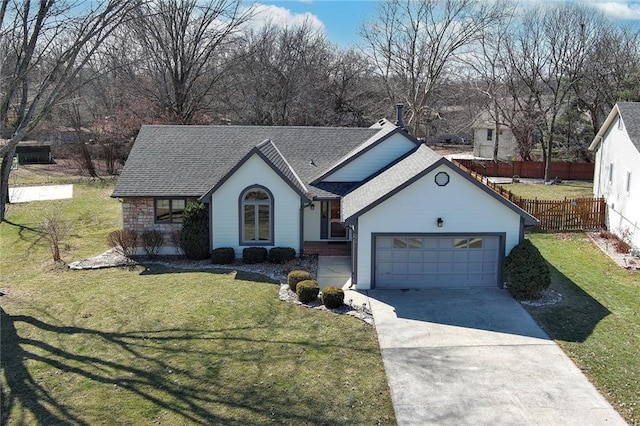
<point x="629" y="112"/>
<point x="387" y="131"/>
<point x="271" y="155"/>
<point x="393" y="180"/>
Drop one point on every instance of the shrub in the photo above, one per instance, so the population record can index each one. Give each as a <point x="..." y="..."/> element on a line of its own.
<point x="621" y="246"/>
<point x="223" y="255"/>
<point x="174" y="237"/>
<point x="254" y="255"/>
<point x="194" y="237"/>
<point x="281" y="254"/>
<point x="526" y="271"/>
<point x="294" y="277"/>
<point x="332" y="297"/>
<point x="152" y="241"/>
<point x="124" y="241"/>
<point x="607" y="235"/>
<point x="307" y="291"/>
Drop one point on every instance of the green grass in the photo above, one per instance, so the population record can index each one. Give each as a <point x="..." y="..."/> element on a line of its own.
<point x="568" y="189"/>
<point x="148" y="345"/>
<point x="597" y="324"/>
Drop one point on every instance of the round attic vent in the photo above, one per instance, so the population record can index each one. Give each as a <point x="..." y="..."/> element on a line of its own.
<point x="442" y="179"/>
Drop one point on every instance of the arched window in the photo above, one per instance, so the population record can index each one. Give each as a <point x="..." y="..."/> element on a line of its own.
<point x="256" y="221"/>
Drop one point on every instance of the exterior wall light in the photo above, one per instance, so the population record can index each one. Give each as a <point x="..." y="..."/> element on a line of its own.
<point x="440" y="222"/>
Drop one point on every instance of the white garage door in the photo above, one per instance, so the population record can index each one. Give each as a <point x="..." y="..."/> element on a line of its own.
<point x="417" y="261"/>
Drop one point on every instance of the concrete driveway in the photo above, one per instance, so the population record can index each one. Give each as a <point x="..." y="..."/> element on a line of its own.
<point x="476" y="357"/>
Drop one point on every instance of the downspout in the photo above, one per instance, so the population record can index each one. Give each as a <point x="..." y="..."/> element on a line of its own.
<point x="211" y="224"/>
<point x="301" y="230"/>
<point x="354" y="256"/>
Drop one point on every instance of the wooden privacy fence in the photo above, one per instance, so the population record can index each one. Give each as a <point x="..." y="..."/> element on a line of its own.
<point x="554" y="215"/>
<point x="530" y="169"/>
<point x="566" y="215"/>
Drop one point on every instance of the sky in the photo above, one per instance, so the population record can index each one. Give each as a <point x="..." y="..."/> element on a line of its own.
<point x="341" y="20"/>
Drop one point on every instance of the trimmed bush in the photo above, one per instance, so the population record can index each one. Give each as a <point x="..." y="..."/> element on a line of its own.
<point x="281" y="255"/>
<point x="294" y="277"/>
<point x="194" y="237"/>
<point x="223" y="255"/>
<point x="254" y="255"/>
<point x="307" y="291"/>
<point x="123" y="241"/>
<point x="332" y="297"/>
<point x="526" y="271"/>
<point x="152" y="241"/>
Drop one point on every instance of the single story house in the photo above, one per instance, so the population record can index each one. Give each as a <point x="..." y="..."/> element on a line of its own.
<point x="409" y="217"/>
<point x="617" y="170"/>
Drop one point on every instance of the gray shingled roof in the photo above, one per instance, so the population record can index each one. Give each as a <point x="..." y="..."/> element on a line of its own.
<point x="190" y="160"/>
<point x="402" y="174"/>
<point x="388" y="181"/>
<point x="273" y="154"/>
<point x="630" y="112"/>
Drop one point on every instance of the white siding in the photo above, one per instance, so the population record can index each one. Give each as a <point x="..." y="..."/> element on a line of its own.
<point x="225" y="222"/>
<point x="373" y="160"/>
<point x="312" y="223"/>
<point x="462" y="206"/>
<point x="623" y="208"/>
<point x="484" y="148"/>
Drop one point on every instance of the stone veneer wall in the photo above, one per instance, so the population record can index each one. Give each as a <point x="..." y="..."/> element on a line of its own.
<point x="138" y="215"/>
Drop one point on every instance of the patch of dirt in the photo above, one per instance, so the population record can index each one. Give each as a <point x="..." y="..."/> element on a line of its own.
<point x="447" y="149"/>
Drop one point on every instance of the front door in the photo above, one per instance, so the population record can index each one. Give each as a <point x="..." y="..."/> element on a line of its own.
<point x="331" y="228"/>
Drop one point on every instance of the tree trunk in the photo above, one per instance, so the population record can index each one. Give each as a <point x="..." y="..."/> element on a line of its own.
<point x="547" y="161"/>
<point x="5" y="170"/>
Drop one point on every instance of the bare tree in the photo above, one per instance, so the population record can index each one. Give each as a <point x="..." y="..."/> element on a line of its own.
<point x="45" y="45"/>
<point x="54" y="229"/>
<point x="281" y="77"/>
<point x="613" y="73"/>
<point x="413" y="44"/>
<point x="184" y="46"/>
<point x="546" y="57"/>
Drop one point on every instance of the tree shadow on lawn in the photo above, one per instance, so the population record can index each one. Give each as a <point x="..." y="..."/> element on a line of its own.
<point x="167" y="386"/>
<point x="151" y="269"/>
<point x="573" y="319"/>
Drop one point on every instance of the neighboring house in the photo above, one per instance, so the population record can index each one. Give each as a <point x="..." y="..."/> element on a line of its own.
<point x="484" y="139"/>
<point x="617" y="170"/>
<point x="409" y="217"/>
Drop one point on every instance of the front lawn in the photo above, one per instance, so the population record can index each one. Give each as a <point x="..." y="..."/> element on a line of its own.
<point x="598" y="323"/>
<point x="148" y="345"/>
<point x="567" y="189"/>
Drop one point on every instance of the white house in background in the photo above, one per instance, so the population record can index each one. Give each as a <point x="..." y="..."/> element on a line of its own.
<point x="484" y="139"/>
<point x="617" y="170"/>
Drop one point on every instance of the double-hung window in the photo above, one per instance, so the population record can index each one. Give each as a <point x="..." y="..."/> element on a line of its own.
<point x="169" y="210"/>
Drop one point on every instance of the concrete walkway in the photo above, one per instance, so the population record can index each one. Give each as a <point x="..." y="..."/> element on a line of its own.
<point x="476" y="357"/>
<point x="24" y="194"/>
<point x="334" y="271"/>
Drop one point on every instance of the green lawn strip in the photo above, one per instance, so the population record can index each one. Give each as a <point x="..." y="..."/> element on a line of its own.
<point x="597" y="324"/>
<point x="148" y="345"/>
<point x="568" y="189"/>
